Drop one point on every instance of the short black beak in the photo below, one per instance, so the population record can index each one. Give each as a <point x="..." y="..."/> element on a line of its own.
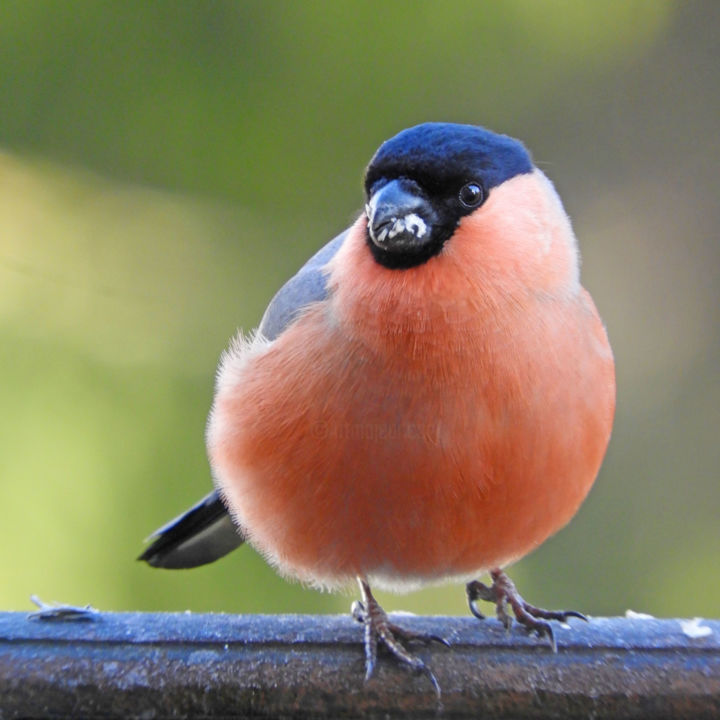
<point x="400" y="219"/>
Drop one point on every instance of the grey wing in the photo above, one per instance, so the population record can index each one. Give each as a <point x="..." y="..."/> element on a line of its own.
<point x="307" y="286"/>
<point x="206" y="531"/>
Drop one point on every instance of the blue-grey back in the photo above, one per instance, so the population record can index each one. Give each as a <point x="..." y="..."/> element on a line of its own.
<point x="308" y="285"/>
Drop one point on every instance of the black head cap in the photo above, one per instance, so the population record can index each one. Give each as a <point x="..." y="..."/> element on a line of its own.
<point x="453" y="168"/>
<point x="439" y="155"/>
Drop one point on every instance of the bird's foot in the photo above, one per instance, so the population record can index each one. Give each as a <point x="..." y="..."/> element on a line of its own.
<point x="503" y="592"/>
<point x="379" y="629"/>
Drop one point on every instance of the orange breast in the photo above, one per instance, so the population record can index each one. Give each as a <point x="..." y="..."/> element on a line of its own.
<point x="429" y="446"/>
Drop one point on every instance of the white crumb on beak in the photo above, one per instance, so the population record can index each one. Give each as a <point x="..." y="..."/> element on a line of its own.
<point x="371" y="209"/>
<point x="411" y="223"/>
<point x="416" y="225"/>
<point x="397" y="227"/>
<point x="632" y="615"/>
<point x="693" y="629"/>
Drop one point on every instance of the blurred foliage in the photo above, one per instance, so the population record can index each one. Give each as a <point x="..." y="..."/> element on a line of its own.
<point x="259" y="100"/>
<point x="167" y="165"/>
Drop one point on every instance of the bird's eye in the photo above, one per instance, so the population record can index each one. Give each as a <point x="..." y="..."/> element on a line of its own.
<point x="471" y="195"/>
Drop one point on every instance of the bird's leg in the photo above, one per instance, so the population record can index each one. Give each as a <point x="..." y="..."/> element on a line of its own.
<point x="503" y="592"/>
<point x="379" y="629"/>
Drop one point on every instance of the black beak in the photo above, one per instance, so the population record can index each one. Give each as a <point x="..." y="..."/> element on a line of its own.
<point x="400" y="219"/>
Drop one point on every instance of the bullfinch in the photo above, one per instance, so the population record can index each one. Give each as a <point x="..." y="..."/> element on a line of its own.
<point x="429" y="398"/>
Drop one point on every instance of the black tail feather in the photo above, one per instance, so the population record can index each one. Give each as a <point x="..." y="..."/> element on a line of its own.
<point x="199" y="536"/>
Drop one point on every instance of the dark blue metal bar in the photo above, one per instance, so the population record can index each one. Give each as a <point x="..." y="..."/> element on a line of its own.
<point x="119" y="665"/>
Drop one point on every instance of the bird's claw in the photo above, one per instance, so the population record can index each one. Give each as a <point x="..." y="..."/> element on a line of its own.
<point x="503" y="592"/>
<point x="379" y="630"/>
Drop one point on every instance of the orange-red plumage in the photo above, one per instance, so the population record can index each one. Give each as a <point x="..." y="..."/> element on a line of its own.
<point x="423" y="425"/>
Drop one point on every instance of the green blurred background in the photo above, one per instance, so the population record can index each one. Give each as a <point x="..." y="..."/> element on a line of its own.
<point x="165" y="166"/>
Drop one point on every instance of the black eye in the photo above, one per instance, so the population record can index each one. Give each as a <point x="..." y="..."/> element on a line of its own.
<point x="471" y="195"/>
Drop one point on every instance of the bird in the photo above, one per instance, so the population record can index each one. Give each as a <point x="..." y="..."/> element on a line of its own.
<point x="427" y="400"/>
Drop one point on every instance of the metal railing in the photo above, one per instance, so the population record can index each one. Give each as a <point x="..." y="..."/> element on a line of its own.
<point x="142" y="665"/>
